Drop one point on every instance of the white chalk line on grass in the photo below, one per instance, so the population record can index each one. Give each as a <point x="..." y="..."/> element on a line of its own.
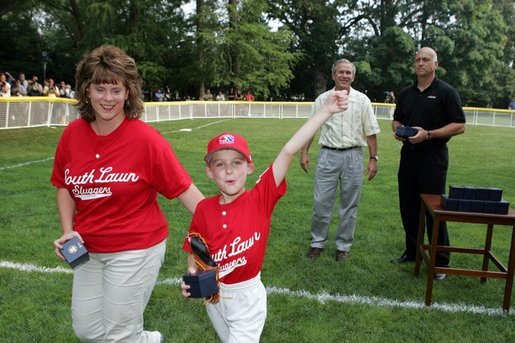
<point x="383" y="302"/>
<point x="25" y="267"/>
<point x="197" y="127"/>
<point x="322" y="297"/>
<point x="26" y="163"/>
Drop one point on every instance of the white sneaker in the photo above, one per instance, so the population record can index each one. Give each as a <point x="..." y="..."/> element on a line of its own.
<point x="439" y="276"/>
<point x="157" y="337"/>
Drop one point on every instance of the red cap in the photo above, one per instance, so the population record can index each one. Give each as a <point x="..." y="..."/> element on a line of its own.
<point x="228" y="140"/>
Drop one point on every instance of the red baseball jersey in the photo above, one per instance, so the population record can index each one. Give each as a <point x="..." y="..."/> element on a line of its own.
<point x="115" y="180"/>
<point x="237" y="233"/>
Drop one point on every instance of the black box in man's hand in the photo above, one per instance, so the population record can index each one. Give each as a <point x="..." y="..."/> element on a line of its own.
<point x="74" y="252"/>
<point x="405" y="131"/>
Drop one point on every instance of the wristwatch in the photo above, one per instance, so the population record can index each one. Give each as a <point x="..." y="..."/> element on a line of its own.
<point x="374" y="158"/>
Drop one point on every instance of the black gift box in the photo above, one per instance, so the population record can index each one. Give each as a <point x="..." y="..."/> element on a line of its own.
<point x="470" y="193"/>
<point x="74" y="252"/>
<point x="490" y="206"/>
<point x="477" y="206"/>
<point x="483" y="194"/>
<point x="464" y="205"/>
<point x="495" y="194"/>
<point x="405" y="131"/>
<point x="202" y="284"/>
<point x="502" y="207"/>
<point x="475" y="199"/>
<point x="448" y="203"/>
<point x="456" y="192"/>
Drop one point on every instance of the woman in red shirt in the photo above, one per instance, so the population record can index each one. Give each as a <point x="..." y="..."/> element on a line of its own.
<point x="109" y="168"/>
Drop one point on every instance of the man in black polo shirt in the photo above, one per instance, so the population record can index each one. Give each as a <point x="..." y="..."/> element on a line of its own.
<point x="432" y="107"/>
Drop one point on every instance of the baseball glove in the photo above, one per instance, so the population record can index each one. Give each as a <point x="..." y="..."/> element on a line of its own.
<point x="203" y="260"/>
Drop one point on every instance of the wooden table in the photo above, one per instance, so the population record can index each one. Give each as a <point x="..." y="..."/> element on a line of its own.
<point x="431" y="205"/>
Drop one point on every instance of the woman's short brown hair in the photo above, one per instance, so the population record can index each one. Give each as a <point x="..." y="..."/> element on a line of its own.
<point x="108" y="64"/>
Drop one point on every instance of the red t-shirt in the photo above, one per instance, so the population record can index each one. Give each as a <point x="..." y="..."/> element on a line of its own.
<point x="237" y="233"/>
<point x="115" y="180"/>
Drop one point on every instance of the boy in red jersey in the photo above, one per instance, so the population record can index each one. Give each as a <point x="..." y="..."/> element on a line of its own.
<point x="235" y="224"/>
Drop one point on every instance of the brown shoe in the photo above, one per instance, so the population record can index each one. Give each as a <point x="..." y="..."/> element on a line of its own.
<point x="341" y="255"/>
<point x="314" y="252"/>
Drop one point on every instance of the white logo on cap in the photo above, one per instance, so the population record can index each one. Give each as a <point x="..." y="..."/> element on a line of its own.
<point x="226" y="139"/>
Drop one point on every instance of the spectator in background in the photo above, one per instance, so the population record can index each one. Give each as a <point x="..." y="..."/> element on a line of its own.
<point x="168" y="94"/>
<point x="18" y="89"/>
<point x="34" y="88"/>
<point x="23" y="81"/>
<point x="208" y="96"/>
<point x="390" y="97"/>
<point x="248" y="96"/>
<point x="62" y="89"/>
<point x="69" y="92"/>
<point x="220" y="96"/>
<point x="5" y="87"/>
<point x="511" y="106"/>
<point x="51" y="89"/>
<point x="233" y="94"/>
<point x="159" y="95"/>
<point x="9" y="79"/>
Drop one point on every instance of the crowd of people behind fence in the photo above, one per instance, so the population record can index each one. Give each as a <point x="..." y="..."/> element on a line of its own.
<point x="232" y="94"/>
<point x="20" y="86"/>
<point x="10" y="86"/>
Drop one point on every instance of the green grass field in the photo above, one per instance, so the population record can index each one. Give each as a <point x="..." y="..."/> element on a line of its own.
<point x="366" y="299"/>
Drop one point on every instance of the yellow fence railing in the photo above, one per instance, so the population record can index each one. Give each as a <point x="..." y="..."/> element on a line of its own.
<point x="20" y="112"/>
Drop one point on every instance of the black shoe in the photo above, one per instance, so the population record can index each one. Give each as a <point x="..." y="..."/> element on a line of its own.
<point x="403" y="259"/>
<point x="314" y="252"/>
<point x="341" y="255"/>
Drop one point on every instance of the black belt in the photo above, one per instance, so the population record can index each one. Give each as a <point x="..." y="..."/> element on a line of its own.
<point x="338" y="149"/>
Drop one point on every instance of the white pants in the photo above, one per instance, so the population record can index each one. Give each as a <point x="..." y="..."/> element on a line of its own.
<point x="110" y="293"/>
<point x="239" y="316"/>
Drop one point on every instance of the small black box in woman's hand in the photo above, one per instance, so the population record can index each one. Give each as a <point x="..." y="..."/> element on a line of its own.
<point x="74" y="252"/>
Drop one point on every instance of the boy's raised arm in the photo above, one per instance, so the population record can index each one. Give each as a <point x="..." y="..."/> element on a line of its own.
<point x="337" y="101"/>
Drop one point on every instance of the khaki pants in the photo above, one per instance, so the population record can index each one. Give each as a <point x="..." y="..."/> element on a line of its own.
<point x="110" y="293"/>
<point x="343" y="168"/>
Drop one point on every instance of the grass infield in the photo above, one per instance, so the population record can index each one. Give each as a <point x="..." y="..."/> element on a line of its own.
<point x="365" y="299"/>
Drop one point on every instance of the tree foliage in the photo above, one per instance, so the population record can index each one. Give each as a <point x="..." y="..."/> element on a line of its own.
<point x="230" y="43"/>
<point x="316" y="29"/>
